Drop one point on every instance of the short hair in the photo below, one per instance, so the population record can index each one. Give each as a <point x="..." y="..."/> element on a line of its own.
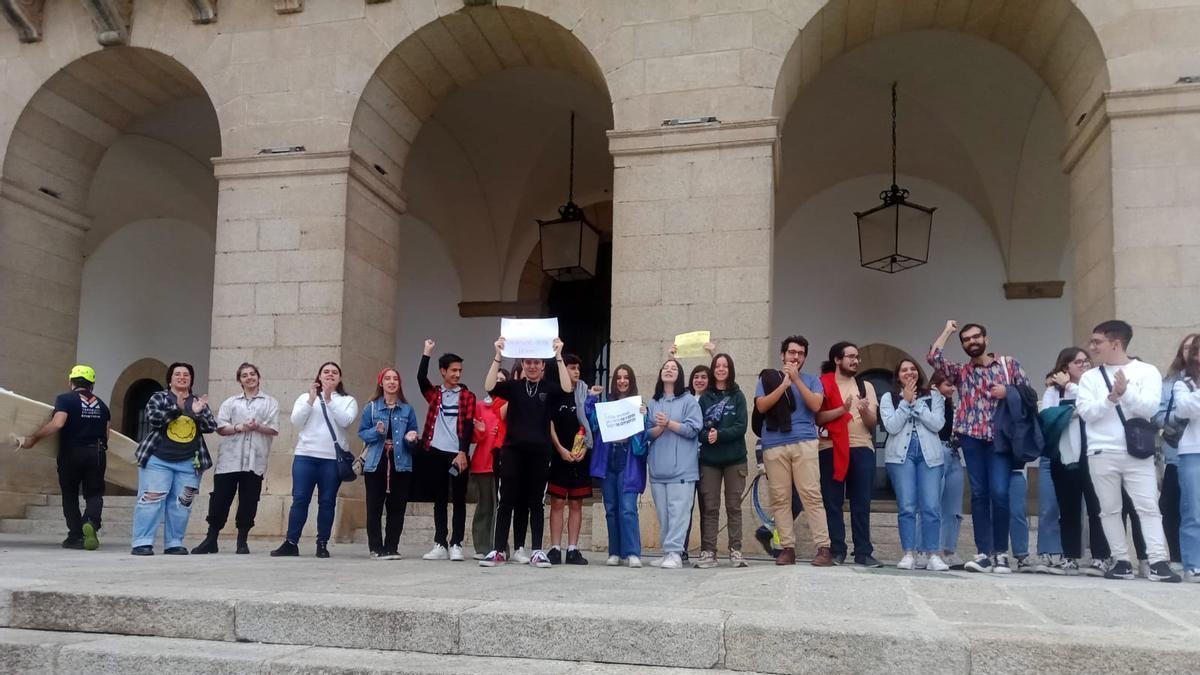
<point x="81" y="383"/>
<point x="448" y="359"/>
<point x="1115" y="329"/>
<point x="179" y="364"/>
<point x="698" y="369"/>
<point x="798" y="339"/>
<point x="969" y="326"/>
<point x="572" y="360"/>
<point x="660" y="387"/>
<point x="245" y="365"/>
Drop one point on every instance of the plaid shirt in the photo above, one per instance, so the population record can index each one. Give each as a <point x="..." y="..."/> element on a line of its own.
<point x="433" y="396"/>
<point x="160" y="410"/>
<point x="973" y="417"/>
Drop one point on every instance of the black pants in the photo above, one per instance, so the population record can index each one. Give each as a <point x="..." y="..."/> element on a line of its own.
<point x="446" y="489"/>
<point x="523" y="472"/>
<point x="1128" y="512"/>
<point x="859" y="480"/>
<point x="1168" y="503"/>
<point x="247" y="485"/>
<point x="379" y="499"/>
<point x="81" y="469"/>
<point x="1073" y="486"/>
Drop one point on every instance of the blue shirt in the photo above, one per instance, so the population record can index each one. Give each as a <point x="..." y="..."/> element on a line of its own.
<point x="804" y="421"/>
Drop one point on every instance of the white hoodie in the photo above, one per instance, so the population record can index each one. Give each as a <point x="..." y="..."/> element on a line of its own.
<point x="1187" y="407"/>
<point x="1141" y="398"/>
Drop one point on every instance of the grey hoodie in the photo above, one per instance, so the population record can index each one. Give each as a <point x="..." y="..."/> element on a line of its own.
<point x="675" y="457"/>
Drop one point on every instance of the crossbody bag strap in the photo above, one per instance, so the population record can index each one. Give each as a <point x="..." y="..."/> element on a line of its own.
<point x="328" y="424"/>
<point x="1108" y="383"/>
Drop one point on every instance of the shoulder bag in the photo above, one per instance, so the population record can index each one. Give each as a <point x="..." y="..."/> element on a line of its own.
<point x="1139" y="433"/>
<point x="345" y="460"/>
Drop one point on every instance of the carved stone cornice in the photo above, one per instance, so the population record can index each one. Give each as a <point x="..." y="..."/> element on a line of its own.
<point x="25" y="16"/>
<point x="112" y="19"/>
<point x="203" y="11"/>
<point x="288" y="6"/>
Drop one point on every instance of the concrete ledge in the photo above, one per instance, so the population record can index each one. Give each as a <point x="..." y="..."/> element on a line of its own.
<point x="353" y="621"/>
<point x="121" y="655"/>
<point x="1048" y="650"/>
<point x="186" y="613"/>
<point x="649" y="635"/>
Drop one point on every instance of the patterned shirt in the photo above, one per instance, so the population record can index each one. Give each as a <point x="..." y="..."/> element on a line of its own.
<point x="973" y="417"/>
<point x="161" y="410"/>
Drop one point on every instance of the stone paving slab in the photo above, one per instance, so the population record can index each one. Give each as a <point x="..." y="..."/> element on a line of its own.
<point x="763" y="618"/>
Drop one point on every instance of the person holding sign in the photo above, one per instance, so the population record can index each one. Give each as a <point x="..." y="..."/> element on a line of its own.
<point x="722" y="461"/>
<point x="621" y="466"/>
<point x="524" y="459"/>
<point x="673" y="459"/>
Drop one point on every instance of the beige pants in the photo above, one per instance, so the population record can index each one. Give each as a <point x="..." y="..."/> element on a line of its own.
<point x="796" y="464"/>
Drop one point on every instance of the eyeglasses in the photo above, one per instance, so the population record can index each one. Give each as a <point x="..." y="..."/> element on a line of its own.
<point x="796" y="352"/>
<point x="1081" y="362"/>
<point x="1094" y="342"/>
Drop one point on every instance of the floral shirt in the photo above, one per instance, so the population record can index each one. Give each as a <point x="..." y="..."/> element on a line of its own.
<point x="973" y="416"/>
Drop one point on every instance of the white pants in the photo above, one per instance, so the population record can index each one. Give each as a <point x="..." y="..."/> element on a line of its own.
<point x="1112" y="469"/>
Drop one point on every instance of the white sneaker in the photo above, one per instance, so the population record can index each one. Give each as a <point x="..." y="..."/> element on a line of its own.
<point x="953" y="560"/>
<point x="707" y="560"/>
<point x="921" y="562"/>
<point x="479" y="556"/>
<point x="657" y="562"/>
<point x="613" y="561"/>
<point x="906" y="563"/>
<point x="1192" y="575"/>
<point x="936" y="564"/>
<point x="634" y="562"/>
<point x="492" y="559"/>
<point x="438" y="552"/>
<point x="1096" y="568"/>
<point x="736" y="559"/>
<point x="376" y="555"/>
<point x="672" y="561"/>
<point x="521" y="556"/>
<point x="1044" y="564"/>
<point x="1000" y="565"/>
<point x="539" y="559"/>
<point x="456" y="553"/>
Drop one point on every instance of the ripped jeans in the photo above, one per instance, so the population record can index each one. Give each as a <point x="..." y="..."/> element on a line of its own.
<point x="164" y="488"/>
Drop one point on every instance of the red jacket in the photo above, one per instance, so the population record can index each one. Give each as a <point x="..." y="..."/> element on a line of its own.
<point x="492" y="436"/>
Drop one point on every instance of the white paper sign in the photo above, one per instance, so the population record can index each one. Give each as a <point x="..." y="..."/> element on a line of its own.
<point x="528" y="338"/>
<point x="620" y="419"/>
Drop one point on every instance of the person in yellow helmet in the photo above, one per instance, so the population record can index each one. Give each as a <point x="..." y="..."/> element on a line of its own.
<point x="82" y="423"/>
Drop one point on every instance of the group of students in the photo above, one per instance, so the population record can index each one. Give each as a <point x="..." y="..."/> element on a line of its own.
<point x="531" y="436"/>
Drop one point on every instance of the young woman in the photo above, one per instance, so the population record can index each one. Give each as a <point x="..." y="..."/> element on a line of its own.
<point x="489" y="436"/>
<point x="673" y="459"/>
<point x="699" y="380"/>
<point x="913" y="415"/>
<point x="621" y="468"/>
<point x="247" y="424"/>
<point x="171" y="459"/>
<point x="1186" y="393"/>
<point x="324" y="407"/>
<point x="1172" y="427"/>
<point x="722" y="462"/>
<point x="389" y="428"/>
<point x="952" y="476"/>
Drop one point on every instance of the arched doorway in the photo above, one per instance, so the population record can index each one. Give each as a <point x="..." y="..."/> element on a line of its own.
<point x="133" y="418"/>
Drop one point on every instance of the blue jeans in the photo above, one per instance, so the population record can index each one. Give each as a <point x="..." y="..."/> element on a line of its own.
<point x="918" y="486"/>
<point x="309" y="473"/>
<point x="166" y="490"/>
<point x="1048" y="533"/>
<point x="989" y="474"/>
<point x="621" y="514"/>
<point x="1189" y="509"/>
<point x="952" y="503"/>
<point x="1018" y="520"/>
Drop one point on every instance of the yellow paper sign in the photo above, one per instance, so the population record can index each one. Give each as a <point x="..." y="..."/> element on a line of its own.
<point x="691" y="345"/>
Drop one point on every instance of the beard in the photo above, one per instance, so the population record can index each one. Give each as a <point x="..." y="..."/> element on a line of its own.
<point x="975" y="351"/>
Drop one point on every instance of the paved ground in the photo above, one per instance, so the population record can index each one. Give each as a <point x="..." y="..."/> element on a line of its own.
<point x="763" y="613"/>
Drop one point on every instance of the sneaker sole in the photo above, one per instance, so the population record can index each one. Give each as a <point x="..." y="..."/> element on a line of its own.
<point x="1173" y="579"/>
<point x="489" y="563"/>
<point x="90" y="541"/>
<point x="1002" y="570"/>
<point x="972" y="567"/>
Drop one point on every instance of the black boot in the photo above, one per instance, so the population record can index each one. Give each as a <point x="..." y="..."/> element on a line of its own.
<point x="242" y="548"/>
<point x="322" y="550"/>
<point x="209" y="545"/>
<point x="287" y="549"/>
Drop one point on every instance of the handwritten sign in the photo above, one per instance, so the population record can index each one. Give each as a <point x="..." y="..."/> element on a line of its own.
<point x="528" y="338"/>
<point x="691" y="345"/>
<point x="620" y="419"/>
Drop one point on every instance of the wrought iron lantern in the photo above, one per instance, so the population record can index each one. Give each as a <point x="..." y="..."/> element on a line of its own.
<point x="894" y="236"/>
<point x="570" y="243"/>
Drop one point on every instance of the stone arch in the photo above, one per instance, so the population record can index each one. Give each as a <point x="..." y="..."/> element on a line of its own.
<point x="142" y="369"/>
<point x="882" y="356"/>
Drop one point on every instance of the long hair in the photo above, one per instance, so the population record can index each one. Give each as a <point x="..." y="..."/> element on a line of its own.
<point x="699" y="369"/>
<point x="731" y="383"/>
<point x="1065" y="357"/>
<point x="837" y="351"/>
<point x="379" y="387"/>
<point x="1179" y="364"/>
<point x="898" y="387"/>
<point x="613" y="395"/>
<point x="340" y="388"/>
<point x="660" y="386"/>
<point x="1193" y="363"/>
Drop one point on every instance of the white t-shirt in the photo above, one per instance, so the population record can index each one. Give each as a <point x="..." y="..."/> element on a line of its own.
<point x="1141" y="398"/>
<point x="313" y="439"/>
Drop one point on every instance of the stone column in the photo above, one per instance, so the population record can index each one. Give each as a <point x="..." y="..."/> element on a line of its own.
<point x="693" y="233"/>
<point x="305" y="273"/>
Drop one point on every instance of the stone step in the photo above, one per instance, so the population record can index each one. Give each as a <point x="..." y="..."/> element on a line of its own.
<point x="31" y="651"/>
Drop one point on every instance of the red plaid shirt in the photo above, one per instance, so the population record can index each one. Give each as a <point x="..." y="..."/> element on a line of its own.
<point x="433" y="396"/>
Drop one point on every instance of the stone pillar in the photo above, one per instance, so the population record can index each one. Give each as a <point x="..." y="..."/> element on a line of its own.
<point x="693" y="228"/>
<point x="305" y="273"/>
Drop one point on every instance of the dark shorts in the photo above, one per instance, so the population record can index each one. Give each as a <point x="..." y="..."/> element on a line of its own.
<point x="569" y="480"/>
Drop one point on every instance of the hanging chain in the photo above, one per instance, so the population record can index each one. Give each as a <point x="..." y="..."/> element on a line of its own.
<point x="571" y="172"/>
<point x="893" y="134"/>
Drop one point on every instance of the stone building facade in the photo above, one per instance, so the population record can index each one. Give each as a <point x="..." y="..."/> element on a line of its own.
<point x="262" y="180"/>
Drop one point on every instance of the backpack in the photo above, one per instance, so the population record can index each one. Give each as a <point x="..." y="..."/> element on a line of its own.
<point x="1172" y="432"/>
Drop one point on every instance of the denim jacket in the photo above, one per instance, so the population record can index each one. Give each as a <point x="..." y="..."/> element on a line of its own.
<point x="404" y="420"/>
<point x="925" y="418"/>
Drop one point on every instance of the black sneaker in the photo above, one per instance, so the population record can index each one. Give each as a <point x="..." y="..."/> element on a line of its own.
<point x="286" y="550"/>
<point x="763" y="536"/>
<point x="209" y="545"/>
<point x="73" y="543"/>
<point x="980" y="563"/>
<point x="839" y="558"/>
<point x="574" y="557"/>
<point x="683" y="557"/>
<point x="1121" y="569"/>
<point x="175" y="550"/>
<point x="555" y="556"/>
<point x="1161" y="571"/>
<point x="867" y="560"/>
<point x="322" y="549"/>
<point x="142" y="550"/>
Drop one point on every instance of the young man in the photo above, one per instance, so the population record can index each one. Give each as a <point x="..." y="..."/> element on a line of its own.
<point x="570" y="481"/>
<point x="981" y="382"/>
<point x="789" y="401"/>
<point x="82" y="423"/>
<point x="848" y="452"/>
<point x="524" y="461"/>
<point x="449" y="429"/>
<point x="1122" y="387"/>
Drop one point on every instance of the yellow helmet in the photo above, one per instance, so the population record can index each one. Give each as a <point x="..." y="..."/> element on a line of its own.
<point x="86" y="372"/>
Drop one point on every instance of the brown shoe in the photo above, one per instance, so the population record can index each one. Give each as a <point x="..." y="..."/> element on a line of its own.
<point x="786" y="557"/>
<point x="824" y="557"/>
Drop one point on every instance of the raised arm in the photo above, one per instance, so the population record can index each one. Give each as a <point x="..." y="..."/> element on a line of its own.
<point x="489" y="380"/>
<point x="423" y="382"/>
<point x="564" y="375"/>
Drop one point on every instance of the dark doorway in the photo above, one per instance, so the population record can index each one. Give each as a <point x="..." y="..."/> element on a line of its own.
<point x="133" y="422"/>
<point x="881" y="380"/>
<point x="583" y="309"/>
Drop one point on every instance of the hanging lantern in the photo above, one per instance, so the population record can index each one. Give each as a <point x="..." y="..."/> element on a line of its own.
<point x="570" y="244"/>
